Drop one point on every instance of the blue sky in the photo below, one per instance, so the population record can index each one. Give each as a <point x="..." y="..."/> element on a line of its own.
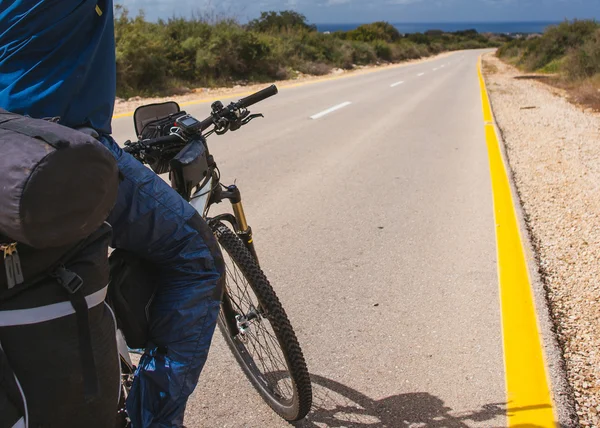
<point x="357" y="11"/>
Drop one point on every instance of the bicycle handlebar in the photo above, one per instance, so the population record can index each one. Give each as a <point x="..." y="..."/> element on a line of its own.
<point x="257" y="97"/>
<point x="206" y="123"/>
<point x="244" y="103"/>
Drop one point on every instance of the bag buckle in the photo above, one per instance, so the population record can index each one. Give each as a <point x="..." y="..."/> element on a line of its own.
<point x="69" y="280"/>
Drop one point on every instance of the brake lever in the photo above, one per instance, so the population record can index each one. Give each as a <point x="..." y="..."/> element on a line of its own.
<point x="248" y="119"/>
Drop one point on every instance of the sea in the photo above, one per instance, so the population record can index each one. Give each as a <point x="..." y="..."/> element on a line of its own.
<point x="481" y="27"/>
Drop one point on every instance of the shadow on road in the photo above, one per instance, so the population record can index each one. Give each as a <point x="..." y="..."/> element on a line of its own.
<point x="336" y="405"/>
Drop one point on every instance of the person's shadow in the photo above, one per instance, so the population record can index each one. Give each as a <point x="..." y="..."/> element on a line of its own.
<point x="338" y="406"/>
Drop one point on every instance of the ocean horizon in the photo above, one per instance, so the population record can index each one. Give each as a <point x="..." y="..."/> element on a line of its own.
<point x="481" y="27"/>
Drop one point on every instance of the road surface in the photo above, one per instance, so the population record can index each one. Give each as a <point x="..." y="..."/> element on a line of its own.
<point x="371" y="205"/>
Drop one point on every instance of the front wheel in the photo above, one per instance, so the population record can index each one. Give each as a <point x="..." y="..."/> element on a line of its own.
<point x="258" y="332"/>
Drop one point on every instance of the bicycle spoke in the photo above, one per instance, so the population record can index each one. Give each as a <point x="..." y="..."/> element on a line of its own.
<point x="267" y="350"/>
<point x="245" y="291"/>
<point x="279" y="357"/>
<point x="273" y="359"/>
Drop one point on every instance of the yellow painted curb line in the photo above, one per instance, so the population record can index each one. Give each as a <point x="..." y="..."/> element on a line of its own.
<point x="529" y="402"/>
<point x="293" y="85"/>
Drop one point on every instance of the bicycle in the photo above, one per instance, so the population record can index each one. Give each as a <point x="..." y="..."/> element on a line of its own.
<point x="252" y="320"/>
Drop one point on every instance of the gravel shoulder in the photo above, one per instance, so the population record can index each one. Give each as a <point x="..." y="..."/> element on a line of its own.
<point x="197" y="94"/>
<point x="553" y="148"/>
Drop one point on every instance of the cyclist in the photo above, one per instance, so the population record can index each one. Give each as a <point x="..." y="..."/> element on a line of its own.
<point x="57" y="59"/>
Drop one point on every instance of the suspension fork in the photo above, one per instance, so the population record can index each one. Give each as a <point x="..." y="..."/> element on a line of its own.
<point x="244" y="231"/>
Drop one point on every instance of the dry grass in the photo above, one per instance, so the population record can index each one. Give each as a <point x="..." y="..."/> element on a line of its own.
<point x="489" y="68"/>
<point x="587" y="93"/>
<point x="584" y="93"/>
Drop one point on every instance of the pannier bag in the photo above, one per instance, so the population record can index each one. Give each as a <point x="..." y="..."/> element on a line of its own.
<point x="58" y="184"/>
<point x="131" y="290"/>
<point x="59" y="365"/>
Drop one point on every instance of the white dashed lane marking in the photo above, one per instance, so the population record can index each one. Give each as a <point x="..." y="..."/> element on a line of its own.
<point x="330" y="110"/>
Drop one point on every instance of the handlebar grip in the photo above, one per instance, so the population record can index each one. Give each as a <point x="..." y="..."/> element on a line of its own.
<point x="258" y="96"/>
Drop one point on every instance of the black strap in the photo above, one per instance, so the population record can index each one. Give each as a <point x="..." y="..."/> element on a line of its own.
<point x="51" y="138"/>
<point x="72" y="283"/>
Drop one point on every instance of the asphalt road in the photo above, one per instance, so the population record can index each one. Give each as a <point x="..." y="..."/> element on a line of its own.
<point x="374" y="223"/>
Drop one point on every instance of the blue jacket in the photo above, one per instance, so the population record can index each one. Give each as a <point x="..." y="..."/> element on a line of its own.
<point x="57" y="58"/>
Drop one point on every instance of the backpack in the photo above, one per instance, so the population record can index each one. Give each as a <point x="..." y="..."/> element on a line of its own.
<point x="59" y="365"/>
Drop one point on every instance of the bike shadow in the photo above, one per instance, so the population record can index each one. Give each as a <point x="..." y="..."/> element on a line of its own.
<point x="336" y="405"/>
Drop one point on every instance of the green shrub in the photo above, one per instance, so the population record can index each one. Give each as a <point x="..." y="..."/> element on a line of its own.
<point x="383" y="50"/>
<point x="276" y="22"/>
<point x="584" y="62"/>
<point x="555" y="43"/>
<point x="377" y="31"/>
<point x="141" y="60"/>
<point x="363" y="53"/>
<point x="572" y="48"/>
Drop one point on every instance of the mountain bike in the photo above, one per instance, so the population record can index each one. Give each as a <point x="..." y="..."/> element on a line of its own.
<point x="252" y="320"/>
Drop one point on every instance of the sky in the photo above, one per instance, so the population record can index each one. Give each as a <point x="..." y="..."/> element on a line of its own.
<point x="394" y="11"/>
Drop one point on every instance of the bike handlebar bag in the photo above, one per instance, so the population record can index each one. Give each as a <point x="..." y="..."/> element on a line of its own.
<point x="57" y="184"/>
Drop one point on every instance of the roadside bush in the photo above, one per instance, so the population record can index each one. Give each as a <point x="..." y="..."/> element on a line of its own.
<point x="232" y="52"/>
<point x="584" y="62"/>
<point x="377" y="31"/>
<point x="570" y="47"/>
<point x="556" y="42"/>
<point x="344" y="57"/>
<point x="277" y="22"/>
<point x="512" y="49"/>
<point x="177" y="54"/>
<point x="363" y="53"/>
<point x="406" y="50"/>
<point x="383" y="50"/>
<point x="141" y="59"/>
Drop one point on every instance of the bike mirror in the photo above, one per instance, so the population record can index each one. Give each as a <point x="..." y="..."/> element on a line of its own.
<point x="151" y="112"/>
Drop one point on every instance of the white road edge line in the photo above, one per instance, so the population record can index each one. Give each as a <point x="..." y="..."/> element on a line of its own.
<point x="393" y="85"/>
<point x="420" y="74"/>
<point x="330" y="110"/>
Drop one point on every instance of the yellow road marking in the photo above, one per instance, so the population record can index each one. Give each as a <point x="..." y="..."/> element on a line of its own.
<point x="285" y="86"/>
<point x="529" y="402"/>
